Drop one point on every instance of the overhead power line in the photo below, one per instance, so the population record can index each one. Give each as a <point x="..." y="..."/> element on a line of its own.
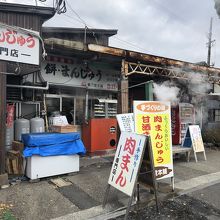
<point x="79" y="19"/>
<point x="78" y="16"/>
<point x="89" y="27"/>
<point x="82" y="21"/>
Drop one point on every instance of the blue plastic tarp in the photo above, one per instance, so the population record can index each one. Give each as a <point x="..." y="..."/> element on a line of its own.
<point x="187" y="142"/>
<point x="52" y="144"/>
<point x="69" y="148"/>
<point x="40" y="139"/>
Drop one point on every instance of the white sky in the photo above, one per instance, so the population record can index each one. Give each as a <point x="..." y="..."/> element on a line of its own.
<point x="170" y="28"/>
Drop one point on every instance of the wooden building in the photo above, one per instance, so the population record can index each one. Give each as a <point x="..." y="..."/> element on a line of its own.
<point x="28" y="17"/>
<point x="81" y="70"/>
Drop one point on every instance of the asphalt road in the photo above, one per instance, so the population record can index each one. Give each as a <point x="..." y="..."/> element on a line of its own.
<point x="210" y="195"/>
<point x="200" y="205"/>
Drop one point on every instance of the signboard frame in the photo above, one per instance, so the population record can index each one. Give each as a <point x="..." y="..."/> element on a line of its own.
<point x="19" y="45"/>
<point x="146" y="145"/>
<point x="71" y="73"/>
<point x="126" y="122"/>
<point x="154" y="118"/>
<point x="192" y="139"/>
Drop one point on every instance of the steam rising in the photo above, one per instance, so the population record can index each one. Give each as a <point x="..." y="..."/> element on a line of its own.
<point x="199" y="87"/>
<point x="166" y="92"/>
<point x="198" y="83"/>
<point x="217" y="7"/>
<point x="193" y="90"/>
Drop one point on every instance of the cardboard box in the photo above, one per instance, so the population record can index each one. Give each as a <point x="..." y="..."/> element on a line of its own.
<point x="65" y="129"/>
<point x="58" y="120"/>
<point x="17" y="146"/>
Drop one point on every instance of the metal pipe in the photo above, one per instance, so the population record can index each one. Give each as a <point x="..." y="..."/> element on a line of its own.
<point x="29" y="87"/>
<point x="61" y="104"/>
<point x="16" y="110"/>
<point x="39" y="109"/>
<point x="20" y="112"/>
<point x="86" y="105"/>
<point x="6" y="73"/>
<point x="74" y="111"/>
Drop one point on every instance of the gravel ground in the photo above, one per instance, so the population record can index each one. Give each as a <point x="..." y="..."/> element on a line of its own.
<point x="181" y="208"/>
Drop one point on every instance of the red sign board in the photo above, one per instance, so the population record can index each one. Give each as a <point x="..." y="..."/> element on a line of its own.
<point x="10" y="116"/>
<point x="175" y="125"/>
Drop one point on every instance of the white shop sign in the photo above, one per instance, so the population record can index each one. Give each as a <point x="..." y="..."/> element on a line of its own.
<point x="128" y="157"/>
<point x="193" y="137"/>
<point x="79" y="75"/>
<point x="17" y="46"/>
<point x="126" y="122"/>
<point x="196" y="137"/>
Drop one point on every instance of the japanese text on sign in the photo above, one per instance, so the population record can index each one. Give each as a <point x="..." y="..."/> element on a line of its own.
<point x="10" y="115"/>
<point x="127" y="161"/>
<point x="126" y="122"/>
<point x="153" y="118"/>
<point x="196" y="137"/>
<point x="18" y="47"/>
<point x="15" y="38"/>
<point x="79" y="75"/>
<point x="66" y="71"/>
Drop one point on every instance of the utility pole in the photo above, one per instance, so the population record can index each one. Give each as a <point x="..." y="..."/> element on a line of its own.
<point x="210" y="43"/>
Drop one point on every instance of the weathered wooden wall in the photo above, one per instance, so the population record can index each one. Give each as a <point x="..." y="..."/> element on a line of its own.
<point x="26" y="17"/>
<point x="2" y="115"/>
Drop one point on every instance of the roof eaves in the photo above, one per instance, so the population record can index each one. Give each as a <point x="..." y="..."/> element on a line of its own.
<point x="108" y="32"/>
<point x="142" y="57"/>
<point x="47" y="12"/>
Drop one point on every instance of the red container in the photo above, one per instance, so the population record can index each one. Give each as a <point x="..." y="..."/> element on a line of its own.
<point x="100" y="134"/>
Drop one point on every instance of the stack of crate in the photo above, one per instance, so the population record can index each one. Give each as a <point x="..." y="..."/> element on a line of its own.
<point x="14" y="159"/>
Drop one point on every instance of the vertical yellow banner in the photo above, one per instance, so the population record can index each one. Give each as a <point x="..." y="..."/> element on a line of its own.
<point x="153" y="118"/>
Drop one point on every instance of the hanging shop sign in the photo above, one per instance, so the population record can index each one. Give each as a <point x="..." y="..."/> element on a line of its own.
<point x="127" y="161"/>
<point x="19" y="47"/>
<point x="153" y="118"/>
<point x="79" y="75"/>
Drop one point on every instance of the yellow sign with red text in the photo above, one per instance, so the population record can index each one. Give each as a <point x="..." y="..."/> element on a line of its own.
<point x="153" y="118"/>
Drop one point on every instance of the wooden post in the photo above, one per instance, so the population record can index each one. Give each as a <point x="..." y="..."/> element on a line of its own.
<point x="3" y="176"/>
<point x="106" y="195"/>
<point x="123" y="90"/>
